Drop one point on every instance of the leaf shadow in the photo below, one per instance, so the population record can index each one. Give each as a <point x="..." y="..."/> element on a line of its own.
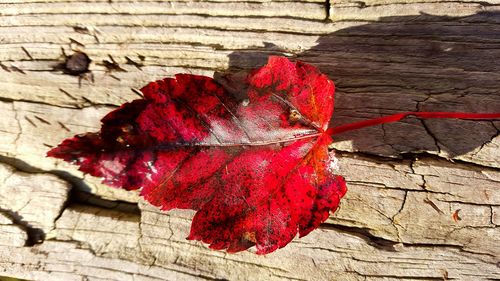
<point x="423" y="63"/>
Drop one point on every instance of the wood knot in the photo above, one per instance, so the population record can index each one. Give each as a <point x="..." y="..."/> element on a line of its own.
<point x="76" y="64"/>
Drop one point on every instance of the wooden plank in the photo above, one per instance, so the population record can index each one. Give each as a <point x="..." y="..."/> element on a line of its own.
<point x="410" y="212"/>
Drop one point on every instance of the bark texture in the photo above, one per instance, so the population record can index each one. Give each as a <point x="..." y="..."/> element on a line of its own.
<point x="423" y="199"/>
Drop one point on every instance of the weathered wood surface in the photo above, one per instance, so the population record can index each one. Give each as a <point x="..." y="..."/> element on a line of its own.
<point x="405" y="180"/>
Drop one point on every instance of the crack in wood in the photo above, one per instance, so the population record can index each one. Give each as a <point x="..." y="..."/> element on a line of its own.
<point x="392" y="51"/>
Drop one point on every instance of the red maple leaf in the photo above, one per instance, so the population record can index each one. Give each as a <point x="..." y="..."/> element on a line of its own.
<point x="254" y="163"/>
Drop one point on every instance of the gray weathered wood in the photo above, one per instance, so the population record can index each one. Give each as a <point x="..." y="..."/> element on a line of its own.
<point x="423" y="200"/>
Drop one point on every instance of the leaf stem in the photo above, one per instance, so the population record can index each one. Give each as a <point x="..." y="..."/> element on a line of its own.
<point x="398" y="116"/>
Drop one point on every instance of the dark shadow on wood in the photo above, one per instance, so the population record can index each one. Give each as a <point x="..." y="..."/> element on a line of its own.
<point x="424" y="63"/>
<point x="35" y="235"/>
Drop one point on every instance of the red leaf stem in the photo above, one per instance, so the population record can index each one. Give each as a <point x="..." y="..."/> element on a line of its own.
<point x="398" y="116"/>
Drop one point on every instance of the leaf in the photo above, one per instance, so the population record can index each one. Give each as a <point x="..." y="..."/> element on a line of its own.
<point x="251" y="157"/>
<point x="253" y="163"/>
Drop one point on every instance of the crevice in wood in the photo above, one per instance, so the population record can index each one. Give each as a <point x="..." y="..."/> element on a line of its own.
<point x="328" y="6"/>
<point x="88" y="104"/>
<point x="411" y="57"/>
<point x="490" y="140"/>
<point x="35" y="235"/>
<point x="90" y="199"/>
<point x="414" y="156"/>
<point x="80" y="194"/>
<point x="27" y="168"/>
<point x="365" y="234"/>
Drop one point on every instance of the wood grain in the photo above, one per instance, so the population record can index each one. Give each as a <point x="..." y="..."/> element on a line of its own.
<point x="423" y="200"/>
